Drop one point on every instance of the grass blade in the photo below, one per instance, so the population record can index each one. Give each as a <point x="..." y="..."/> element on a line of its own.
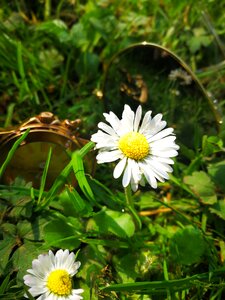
<point x="12" y="151"/>
<point x="78" y="168"/>
<point x="44" y="175"/>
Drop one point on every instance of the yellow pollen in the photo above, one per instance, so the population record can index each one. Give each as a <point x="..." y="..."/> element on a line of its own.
<point x="59" y="283"/>
<point x="134" y="145"/>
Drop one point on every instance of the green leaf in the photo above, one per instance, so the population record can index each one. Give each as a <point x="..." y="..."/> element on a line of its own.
<point x="219" y="209"/>
<point x="6" y="247"/>
<point x="79" y="37"/>
<point x="87" y="65"/>
<point x="211" y="144"/>
<point x="202" y="186"/>
<point x="78" y="168"/>
<point x="59" y="234"/>
<point x="199" y="39"/>
<point x="187" y="246"/>
<point x="56" y="28"/>
<point x="73" y="204"/>
<point x="32" y="230"/>
<point x="4" y="284"/>
<point x="8" y="229"/>
<point x="23" y="207"/>
<point x="125" y="267"/>
<point x="23" y="257"/>
<point x="217" y="171"/>
<point x="109" y="221"/>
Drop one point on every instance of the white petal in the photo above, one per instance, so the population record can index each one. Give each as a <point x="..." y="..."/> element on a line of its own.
<point x="160" y="168"/>
<point x="146" y="121"/>
<point x="113" y="120"/>
<point x="76" y="294"/>
<point x="127" y="174"/>
<point x="157" y="118"/>
<point x="136" y="173"/>
<point x="108" y="129"/>
<point x="134" y="185"/>
<point x="44" y="296"/>
<point x="127" y="122"/>
<point x="165" y="160"/>
<point x="119" y="168"/>
<point x="161" y="134"/>
<point x="149" y="175"/>
<point x="101" y="136"/>
<point x="159" y="174"/>
<point x="108" y="156"/>
<point x="67" y="262"/>
<point x="51" y="297"/>
<point x="164" y="153"/>
<point x="107" y="145"/>
<point x="31" y="280"/>
<point x="41" y="266"/>
<point x="137" y="118"/>
<point x="60" y="257"/>
<point x="35" y="291"/>
<point x="164" y="142"/>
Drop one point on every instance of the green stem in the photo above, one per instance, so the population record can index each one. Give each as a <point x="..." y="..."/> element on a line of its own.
<point x="130" y="206"/>
<point x="47" y="10"/>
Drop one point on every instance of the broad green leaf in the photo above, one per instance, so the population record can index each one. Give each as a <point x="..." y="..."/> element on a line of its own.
<point x="73" y="204"/>
<point x="56" y="28"/>
<point x="78" y="36"/>
<point x="202" y="186"/>
<point x="32" y="230"/>
<point x="219" y="209"/>
<point x="105" y="195"/>
<point x="87" y="65"/>
<point x="22" y="207"/>
<point x="50" y="58"/>
<point x="217" y="171"/>
<point x="93" y="260"/>
<point x="187" y="246"/>
<point x="8" y="229"/>
<point x="23" y="256"/>
<point x="6" y="247"/>
<point x="199" y="39"/>
<point x="114" y="222"/>
<point x="89" y="289"/>
<point x="59" y="234"/>
<point x="126" y="267"/>
<point x="211" y="145"/>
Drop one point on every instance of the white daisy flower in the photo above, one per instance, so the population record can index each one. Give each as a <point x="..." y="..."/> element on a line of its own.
<point x="144" y="149"/>
<point x="51" y="276"/>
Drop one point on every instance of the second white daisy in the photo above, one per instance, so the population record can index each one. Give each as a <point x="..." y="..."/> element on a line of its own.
<point x="144" y="149"/>
<point x="51" y="276"/>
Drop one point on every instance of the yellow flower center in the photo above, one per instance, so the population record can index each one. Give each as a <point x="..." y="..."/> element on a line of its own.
<point x="134" y="145"/>
<point x="59" y="282"/>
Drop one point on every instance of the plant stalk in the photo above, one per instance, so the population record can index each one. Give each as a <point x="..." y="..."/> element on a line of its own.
<point x="130" y="206"/>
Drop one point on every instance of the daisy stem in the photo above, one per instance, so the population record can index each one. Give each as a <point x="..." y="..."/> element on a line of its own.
<point x="130" y="206"/>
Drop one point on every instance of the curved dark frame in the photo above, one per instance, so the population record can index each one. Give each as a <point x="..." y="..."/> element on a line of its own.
<point x="216" y="113"/>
